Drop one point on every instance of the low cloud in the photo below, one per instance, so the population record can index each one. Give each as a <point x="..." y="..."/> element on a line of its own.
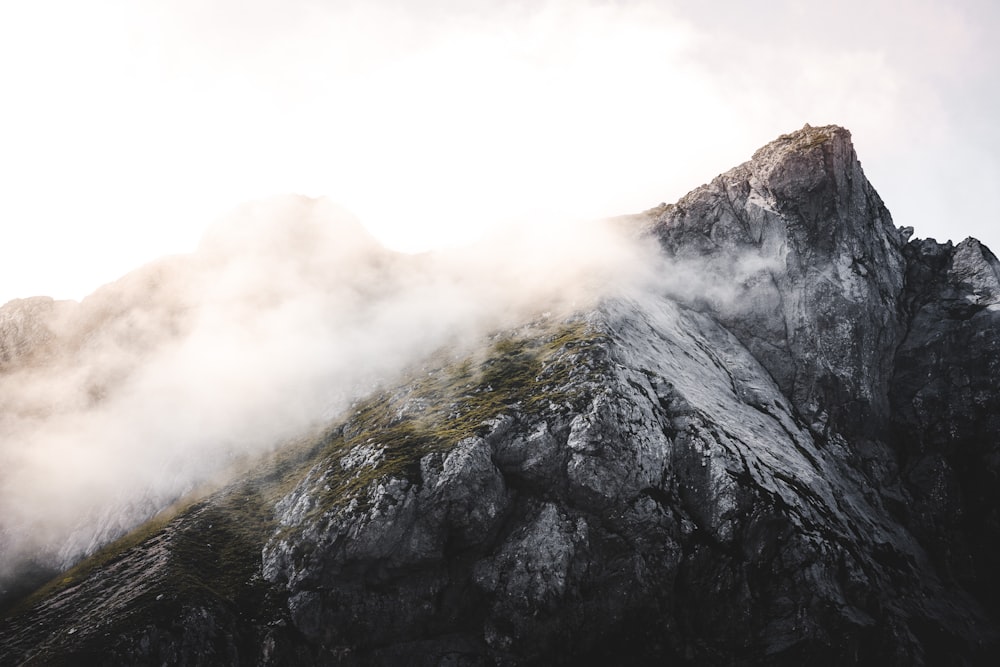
<point x="112" y="408"/>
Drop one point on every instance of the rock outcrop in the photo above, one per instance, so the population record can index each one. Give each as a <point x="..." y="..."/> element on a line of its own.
<point x="946" y="410"/>
<point x="806" y="268"/>
<point x="784" y="450"/>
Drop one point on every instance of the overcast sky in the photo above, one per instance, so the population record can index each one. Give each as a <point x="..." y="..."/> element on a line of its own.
<point x="127" y="127"/>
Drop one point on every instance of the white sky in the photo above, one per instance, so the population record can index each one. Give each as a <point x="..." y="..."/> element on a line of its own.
<point x="126" y="127"/>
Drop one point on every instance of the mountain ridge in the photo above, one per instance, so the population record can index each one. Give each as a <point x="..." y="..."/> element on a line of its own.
<point x="738" y="459"/>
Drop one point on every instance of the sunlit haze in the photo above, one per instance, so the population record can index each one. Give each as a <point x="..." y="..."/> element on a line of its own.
<point x="127" y="127"/>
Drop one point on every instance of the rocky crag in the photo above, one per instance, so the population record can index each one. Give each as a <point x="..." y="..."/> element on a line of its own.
<point x="783" y="450"/>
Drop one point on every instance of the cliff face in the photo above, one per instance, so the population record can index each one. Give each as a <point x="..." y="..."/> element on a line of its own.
<point x="809" y="272"/>
<point x="782" y="450"/>
<point x="946" y="410"/>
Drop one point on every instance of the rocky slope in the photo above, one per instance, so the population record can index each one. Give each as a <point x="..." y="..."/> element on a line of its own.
<point x="781" y="449"/>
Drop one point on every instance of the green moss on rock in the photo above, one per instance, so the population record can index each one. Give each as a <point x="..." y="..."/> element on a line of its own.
<point x="524" y="372"/>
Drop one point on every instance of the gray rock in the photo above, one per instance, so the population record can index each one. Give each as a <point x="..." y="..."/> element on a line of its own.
<point x="946" y="410"/>
<point x="805" y="268"/>
<point x="786" y="452"/>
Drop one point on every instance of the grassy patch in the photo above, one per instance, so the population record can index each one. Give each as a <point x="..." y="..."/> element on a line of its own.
<point x="104" y="557"/>
<point x="236" y="520"/>
<point x="216" y="549"/>
<point x="523" y="373"/>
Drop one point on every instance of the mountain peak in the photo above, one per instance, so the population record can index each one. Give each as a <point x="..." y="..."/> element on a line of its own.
<point x="803" y="140"/>
<point x="802" y="257"/>
<point x="814" y="169"/>
<point x="783" y="451"/>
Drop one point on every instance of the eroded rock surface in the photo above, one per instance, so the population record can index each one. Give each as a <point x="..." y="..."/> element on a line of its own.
<point x="947" y="410"/>
<point x="799" y="258"/>
<point x="785" y="452"/>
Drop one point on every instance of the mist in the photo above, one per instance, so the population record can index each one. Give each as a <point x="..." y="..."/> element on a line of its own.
<point x="517" y="110"/>
<point x="159" y="383"/>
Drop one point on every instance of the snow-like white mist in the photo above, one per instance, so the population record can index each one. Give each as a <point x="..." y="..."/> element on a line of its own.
<point x="112" y="408"/>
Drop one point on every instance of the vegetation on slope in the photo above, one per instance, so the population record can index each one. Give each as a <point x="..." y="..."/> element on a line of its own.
<point x="205" y="552"/>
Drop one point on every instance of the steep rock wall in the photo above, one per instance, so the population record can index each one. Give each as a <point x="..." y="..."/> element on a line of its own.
<point x="801" y="261"/>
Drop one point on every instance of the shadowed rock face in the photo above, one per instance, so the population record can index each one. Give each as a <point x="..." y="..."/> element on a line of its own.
<point x="946" y="409"/>
<point x="808" y="272"/>
<point x="788" y="454"/>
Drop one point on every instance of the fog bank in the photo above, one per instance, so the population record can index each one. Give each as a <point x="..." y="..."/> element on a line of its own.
<point x="112" y="408"/>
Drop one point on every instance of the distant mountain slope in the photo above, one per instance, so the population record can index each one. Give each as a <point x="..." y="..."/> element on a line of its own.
<point x="95" y="386"/>
<point x="781" y="447"/>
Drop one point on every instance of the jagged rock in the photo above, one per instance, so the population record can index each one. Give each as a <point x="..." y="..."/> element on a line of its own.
<point x="946" y="409"/>
<point x="799" y="258"/>
<point x="787" y="456"/>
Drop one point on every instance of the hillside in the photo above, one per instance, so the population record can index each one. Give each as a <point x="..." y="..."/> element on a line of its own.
<point x="776" y="444"/>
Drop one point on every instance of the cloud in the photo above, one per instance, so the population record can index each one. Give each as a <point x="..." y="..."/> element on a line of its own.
<point x="130" y="126"/>
<point x="287" y="312"/>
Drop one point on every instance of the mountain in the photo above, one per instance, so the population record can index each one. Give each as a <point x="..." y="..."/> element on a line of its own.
<point x="779" y="446"/>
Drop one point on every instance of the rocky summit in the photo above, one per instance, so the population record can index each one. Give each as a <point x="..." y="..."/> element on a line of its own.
<point x="783" y="448"/>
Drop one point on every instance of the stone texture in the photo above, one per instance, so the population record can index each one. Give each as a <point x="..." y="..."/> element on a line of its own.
<point x="798" y="257"/>
<point x="785" y="452"/>
<point x="947" y="410"/>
